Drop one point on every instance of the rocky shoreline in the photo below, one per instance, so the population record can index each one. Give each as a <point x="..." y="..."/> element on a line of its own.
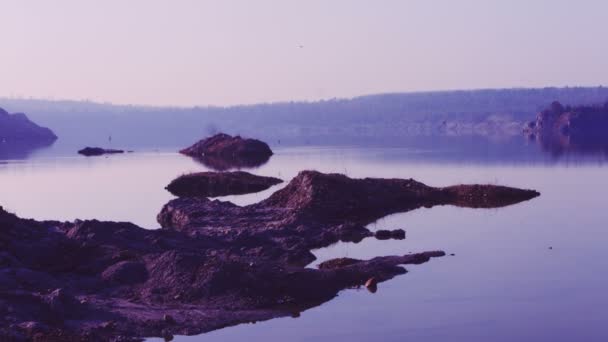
<point x="213" y="264"/>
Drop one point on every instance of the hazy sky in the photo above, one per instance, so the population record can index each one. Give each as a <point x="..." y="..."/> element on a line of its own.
<point x="196" y="52"/>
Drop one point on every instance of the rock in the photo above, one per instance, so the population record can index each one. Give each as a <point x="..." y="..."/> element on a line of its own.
<point x="327" y="208"/>
<point x="97" y="151"/>
<point x="372" y="285"/>
<point x="383" y="234"/>
<point x="337" y="263"/>
<point x="397" y="234"/>
<point x="223" y="152"/>
<point x="126" y="273"/>
<point x="168" y="319"/>
<point x="31" y="328"/>
<point x="108" y="325"/>
<point x="226" y="163"/>
<point x="214" y="184"/>
<point x="62" y="304"/>
<point x="228" y="146"/>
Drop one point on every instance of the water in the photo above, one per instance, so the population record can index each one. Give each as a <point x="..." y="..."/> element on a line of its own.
<point x="532" y="271"/>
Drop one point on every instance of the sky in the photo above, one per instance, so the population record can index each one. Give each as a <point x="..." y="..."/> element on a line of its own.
<point x="227" y="52"/>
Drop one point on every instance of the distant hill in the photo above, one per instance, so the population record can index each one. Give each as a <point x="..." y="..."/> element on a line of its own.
<point x="364" y="119"/>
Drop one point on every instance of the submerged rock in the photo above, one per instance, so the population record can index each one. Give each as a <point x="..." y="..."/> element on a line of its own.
<point x="98" y="151"/>
<point x="224" y="152"/>
<point x="214" y="184"/>
<point x="397" y="234"/>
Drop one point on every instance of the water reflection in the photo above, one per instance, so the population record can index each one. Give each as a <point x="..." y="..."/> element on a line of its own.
<point x="593" y="148"/>
<point x="20" y="151"/>
<point x="222" y="163"/>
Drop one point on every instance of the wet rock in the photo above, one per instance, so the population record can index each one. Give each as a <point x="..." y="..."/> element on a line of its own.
<point x="214" y="184"/>
<point x="397" y="234"/>
<point x="31" y="328"/>
<point x="98" y="151"/>
<point x="228" y="146"/>
<point x="372" y="285"/>
<point x="62" y="303"/>
<point x="168" y="319"/>
<point x="108" y="325"/>
<point x="337" y="263"/>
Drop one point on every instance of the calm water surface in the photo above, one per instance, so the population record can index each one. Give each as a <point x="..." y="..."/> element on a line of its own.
<point x="503" y="284"/>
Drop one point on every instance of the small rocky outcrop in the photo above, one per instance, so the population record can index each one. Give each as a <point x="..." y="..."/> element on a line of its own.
<point x="17" y="129"/>
<point x="224" y="152"/>
<point x="98" y="151"/>
<point x="397" y="234"/>
<point x="214" y="184"/>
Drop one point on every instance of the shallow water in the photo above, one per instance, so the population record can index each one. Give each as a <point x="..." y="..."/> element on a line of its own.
<point x="503" y="284"/>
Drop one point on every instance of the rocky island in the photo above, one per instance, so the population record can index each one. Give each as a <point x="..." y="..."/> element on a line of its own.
<point x="214" y="184"/>
<point x="223" y="152"/>
<point x="98" y="151"/>
<point x="214" y="264"/>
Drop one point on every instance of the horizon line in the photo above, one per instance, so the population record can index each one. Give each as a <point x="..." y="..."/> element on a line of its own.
<point x="279" y="102"/>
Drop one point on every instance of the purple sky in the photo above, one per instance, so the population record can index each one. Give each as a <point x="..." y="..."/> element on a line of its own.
<point x="195" y="52"/>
